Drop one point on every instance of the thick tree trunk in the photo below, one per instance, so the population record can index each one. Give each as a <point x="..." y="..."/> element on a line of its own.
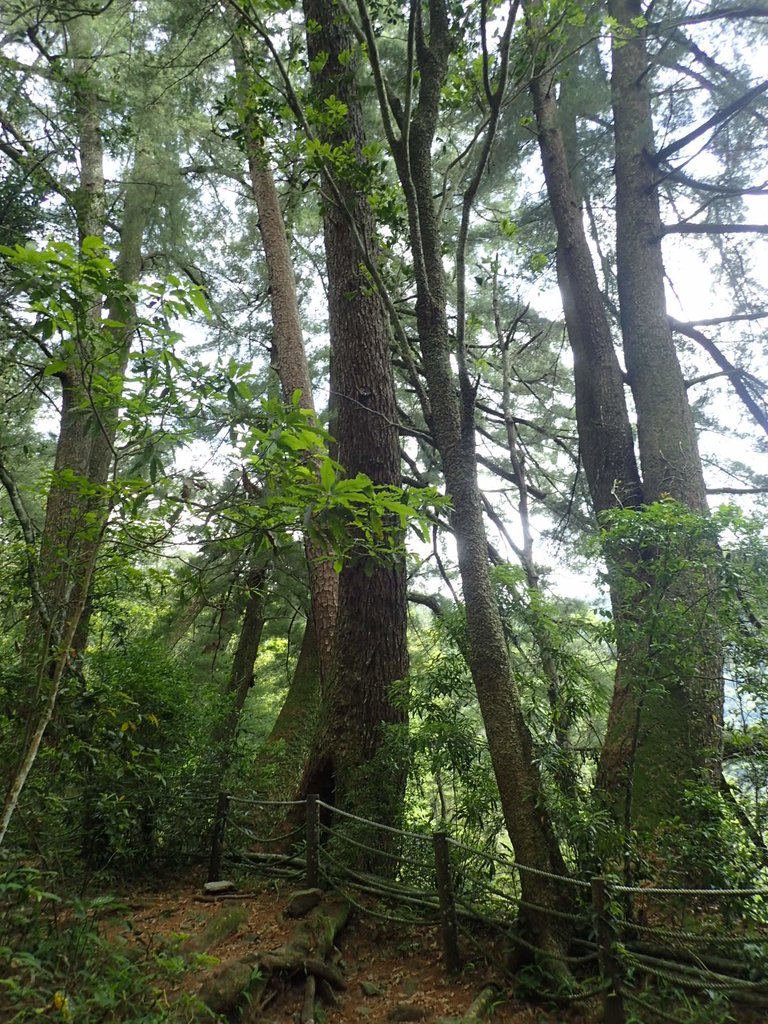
<point x="662" y="733"/>
<point x="370" y="651"/>
<point x="669" y="453"/>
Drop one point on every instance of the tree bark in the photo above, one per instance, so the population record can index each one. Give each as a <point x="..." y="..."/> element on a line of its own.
<point x="347" y="764"/>
<point x="606" y="442"/>
<point x="75" y="521"/>
<point x="661" y="734"/>
<point x="291" y="358"/>
<point x="509" y="740"/>
<point x="77" y="507"/>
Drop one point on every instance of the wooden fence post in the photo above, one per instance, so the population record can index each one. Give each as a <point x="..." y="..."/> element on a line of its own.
<point x="313" y="841"/>
<point x="610" y="966"/>
<point x="217" y="840"/>
<point x="447" y="904"/>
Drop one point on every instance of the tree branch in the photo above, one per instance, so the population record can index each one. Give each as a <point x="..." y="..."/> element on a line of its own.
<point x="718" y="118"/>
<point x="735" y="375"/>
<point x="29" y="532"/>
<point x="711" y="186"/>
<point x="435" y="603"/>
<point x="715" y="321"/>
<point x="714" y="229"/>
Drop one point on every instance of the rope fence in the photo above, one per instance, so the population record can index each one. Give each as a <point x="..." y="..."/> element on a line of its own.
<point x="631" y="950"/>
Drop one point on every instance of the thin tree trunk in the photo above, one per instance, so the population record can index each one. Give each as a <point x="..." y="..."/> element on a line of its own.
<point x="509" y="740"/>
<point x="240" y="678"/>
<point x="104" y="418"/>
<point x="76" y="510"/>
<point x="606" y="443"/>
<point x="291" y="358"/>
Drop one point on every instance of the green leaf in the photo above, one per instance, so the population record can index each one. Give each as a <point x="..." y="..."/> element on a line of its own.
<point x="327" y="475"/>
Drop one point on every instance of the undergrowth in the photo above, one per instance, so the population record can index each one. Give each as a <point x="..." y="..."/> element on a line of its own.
<point x="57" y="963"/>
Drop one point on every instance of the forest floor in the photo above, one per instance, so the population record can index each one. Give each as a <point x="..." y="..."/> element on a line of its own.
<point x="392" y="971"/>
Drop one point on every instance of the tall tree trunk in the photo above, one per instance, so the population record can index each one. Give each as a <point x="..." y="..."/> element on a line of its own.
<point x="509" y="740"/>
<point x="139" y="199"/>
<point x="661" y="733"/>
<point x="291" y="358"/>
<point x="76" y="511"/>
<point x="68" y="536"/>
<point x="606" y="443"/>
<point x="77" y="507"/>
<point x="370" y="651"/>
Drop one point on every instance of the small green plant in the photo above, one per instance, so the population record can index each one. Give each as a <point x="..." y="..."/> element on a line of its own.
<point x="55" y="963"/>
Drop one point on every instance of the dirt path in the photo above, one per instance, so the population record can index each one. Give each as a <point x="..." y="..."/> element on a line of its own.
<point x="392" y="971"/>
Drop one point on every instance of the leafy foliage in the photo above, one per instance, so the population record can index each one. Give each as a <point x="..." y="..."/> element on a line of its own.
<point x="55" y="961"/>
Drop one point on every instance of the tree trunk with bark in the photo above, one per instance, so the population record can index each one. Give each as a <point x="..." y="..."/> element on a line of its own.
<point x="348" y="764"/>
<point x="453" y="424"/>
<point x="662" y="734"/>
<point x="606" y="442"/>
<point x="77" y="505"/>
<point x="290" y="359"/>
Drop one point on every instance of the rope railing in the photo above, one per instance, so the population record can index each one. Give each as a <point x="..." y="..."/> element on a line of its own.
<point x="526" y="869"/>
<point x="266" y="840"/>
<point x="622" y="959"/>
<point x="376" y="851"/>
<point x="649" y="890"/>
<point x="374" y="824"/>
<point x="266" y="803"/>
<point x="333" y="884"/>
<point x="696" y="938"/>
<point x="386" y="892"/>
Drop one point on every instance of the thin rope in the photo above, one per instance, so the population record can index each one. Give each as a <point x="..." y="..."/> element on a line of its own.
<point x="374" y="824"/>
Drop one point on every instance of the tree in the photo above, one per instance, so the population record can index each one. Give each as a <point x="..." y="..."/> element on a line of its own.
<point x="370" y="652"/>
<point x="410" y="133"/>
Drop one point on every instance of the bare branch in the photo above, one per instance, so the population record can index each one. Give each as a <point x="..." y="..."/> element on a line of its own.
<point x="714" y="229"/>
<point x="718" y="118"/>
<point x="715" y="321"/>
<point x="734" y="374"/>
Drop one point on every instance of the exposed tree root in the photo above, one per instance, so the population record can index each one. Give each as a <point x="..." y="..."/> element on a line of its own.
<point x="242" y="988"/>
<point x="479" y="1009"/>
